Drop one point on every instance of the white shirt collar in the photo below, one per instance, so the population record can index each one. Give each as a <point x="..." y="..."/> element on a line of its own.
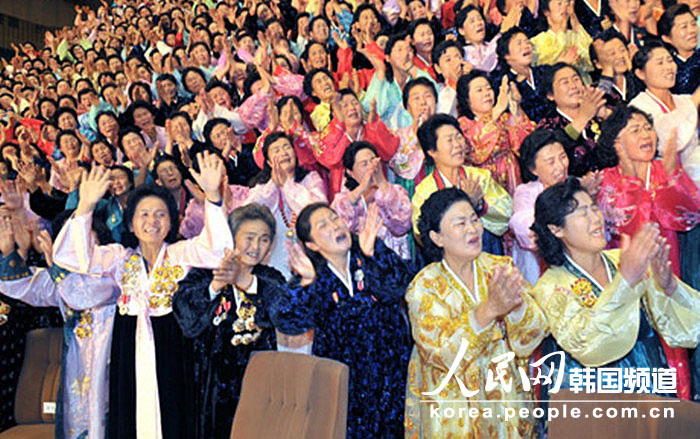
<point x="346" y="280"/>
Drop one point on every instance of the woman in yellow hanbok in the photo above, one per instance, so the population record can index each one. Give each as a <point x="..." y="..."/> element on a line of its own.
<point x="472" y="296"/>
<point x="608" y="307"/>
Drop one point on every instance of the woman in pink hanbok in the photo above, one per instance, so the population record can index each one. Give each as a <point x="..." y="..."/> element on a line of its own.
<point x="282" y="186"/>
<point x="151" y="378"/>
<point x="365" y="187"/>
<point x="494" y="127"/>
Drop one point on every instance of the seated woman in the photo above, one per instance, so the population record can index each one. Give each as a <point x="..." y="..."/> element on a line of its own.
<point x="227" y="312"/>
<point x="565" y="40"/>
<point x="543" y="163"/>
<point x="466" y="295"/>
<point x="494" y="127"/>
<point x="613" y="62"/>
<point x="654" y="65"/>
<point x="350" y="295"/>
<point x="588" y="290"/>
<point x="349" y="125"/>
<point x="471" y="25"/>
<point x="282" y="186"/>
<point x="366" y="186"/>
<point x="444" y="146"/>
<point x="320" y="88"/>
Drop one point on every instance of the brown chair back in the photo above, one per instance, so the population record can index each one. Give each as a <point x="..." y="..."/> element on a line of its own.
<point x="41" y="373"/>
<point x="292" y="396"/>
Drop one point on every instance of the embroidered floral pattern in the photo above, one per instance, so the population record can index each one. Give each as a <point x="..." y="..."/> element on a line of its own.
<point x="584" y="290"/>
<point x="84" y="327"/>
<point x="163" y="286"/>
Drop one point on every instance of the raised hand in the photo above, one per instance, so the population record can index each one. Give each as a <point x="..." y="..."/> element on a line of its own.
<point x="504" y="295"/>
<point x="195" y="191"/>
<point x="7" y="236"/>
<point x="373" y="112"/>
<point x="228" y="270"/>
<point x="92" y="188"/>
<point x="11" y="194"/>
<point x="45" y="244"/>
<point x="300" y="263"/>
<point x="591" y="182"/>
<point x="471" y="186"/>
<point x="637" y="252"/>
<point x="368" y="235"/>
<point x="661" y="266"/>
<point x="279" y="175"/>
<point x="23" y="236"/>
<point x="502" y="100"/>
<point x="210" y="175"/>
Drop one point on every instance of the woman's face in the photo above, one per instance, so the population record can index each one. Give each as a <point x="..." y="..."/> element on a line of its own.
<point x="424" y="38"/>
<point x="194" y="82"/>
<point x="108" y="126"/>
<point x="583" y="230"/>
<point x="626" y="10"/>
<point x="151" y="222"/>
<point x="140" y="94"/>
<point x="134" y="148"/>
<point x="638" y="139"/>
<point x="201" y="55"/>
<point x="66" y="121"/>
<point x="520" y="51"/>
<point x="318" y="57"/>
<point x="684" y="33"/>
<point x="368" y="20"/>
<point x="567" y="88"/>
<point x="362" y="165"/>
<point x="659" y="71"/>
<point x="551" y="164"/>
<point x="102" y="154"/>
<point x="322" y="86"/>
<point x="450" y="149"/>
<point x="352" y="110"/>
<point x="320" y="31"/>
<point x="329" y="233"/>
<point x="220" y="136"/>
<point x="252" y="242"/>
<point x="460" y="232"/>
<point x="290" y="109"/>
<point x="47" y="109"/>
<point x="481" y="96"/>
<point x="70" y="146"/>
<point x="143" y="118"/>
<point x="421" y="102"/>
<point x="119" y="182"/>
<point x="282" y="153"/>
<point x="474" y="28"/>
<point x="401" y="56"/>
<point x="558" y="11"/>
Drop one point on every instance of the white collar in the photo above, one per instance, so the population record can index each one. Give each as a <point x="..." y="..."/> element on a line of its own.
<point x="346" y="280"/>
<point x="587" y="274"/>
<point x="252" y="289"/>
<point x="472" y="295"/>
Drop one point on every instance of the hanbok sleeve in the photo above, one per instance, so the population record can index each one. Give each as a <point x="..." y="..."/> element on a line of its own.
<point x="192" y="305"/>
<point x="300" y="194"/>
<point x="81" y="291"/>
<point x="594" y="332"/>
<point x="384" y="140"/>
<point x="75" y="249"/>
<point x="395" y="208"/>
<point x="31" y="286"/>
<point x="676" y="317"/>
<point x="207" y="249"/>
<point x="349" y="212"/>
<point x="439" y="326"/>
<point x="524" y="214"/>
<point x="296" y="309"/>
<point x="390" y="273"/>
<point x="499" y="204"/>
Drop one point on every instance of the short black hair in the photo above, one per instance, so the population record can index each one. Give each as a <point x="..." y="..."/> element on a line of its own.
<point x="431" y="213"/>
<point x="666" y="20"/>
<point x="551" y="208"/>
<point x="135" y="197"/>
<point x="503" y="44"/>
<point x="303" y="231"/>
<point x="532" y="145"/>
<point x="252" y="212"/>
<point x="414" y="83"/>
<point x="548" y="77"/>
<point x="604" y="152"/>
<point x="641" y="58"/>
<point x="605" y="36"/>
<point x="463" y="106"/>
<point x="308" y="79"/>
<point x="349" y="160"/>
<point x="209" y="127"/>
<point x="427" y="133"/>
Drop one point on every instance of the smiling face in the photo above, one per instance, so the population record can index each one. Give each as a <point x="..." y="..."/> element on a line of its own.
<point x="253" y="241"/>
<point x="615" y="52"/>
<point x="329" y="233"/>
<point x="684" y="33"/>
<point x="583" y="230"/>
<point x="551" y="164"/>
<point x="450" y="149"/>
<point x="151" y="222"/>
<point x="481" y="96"/>
<point x="638" y="139"/>
<point x="567" y="88"/>
<point x="220" y="97"/>
<point x="460" y="232"/>
<point x="660" y="70"/>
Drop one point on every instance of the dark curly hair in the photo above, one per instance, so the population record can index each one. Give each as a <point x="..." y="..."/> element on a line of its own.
<point x="551" y="208"/>
<point x="303" y="229"/>
<point x="463" y="107"/>
<point x="135" y="197"/>
<point x="532" y="145"/>
<point x="431" y="214"/>
<point x="604" y="152"/>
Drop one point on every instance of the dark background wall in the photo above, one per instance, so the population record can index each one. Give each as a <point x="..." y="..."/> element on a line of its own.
<point x="27" y="20"/>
